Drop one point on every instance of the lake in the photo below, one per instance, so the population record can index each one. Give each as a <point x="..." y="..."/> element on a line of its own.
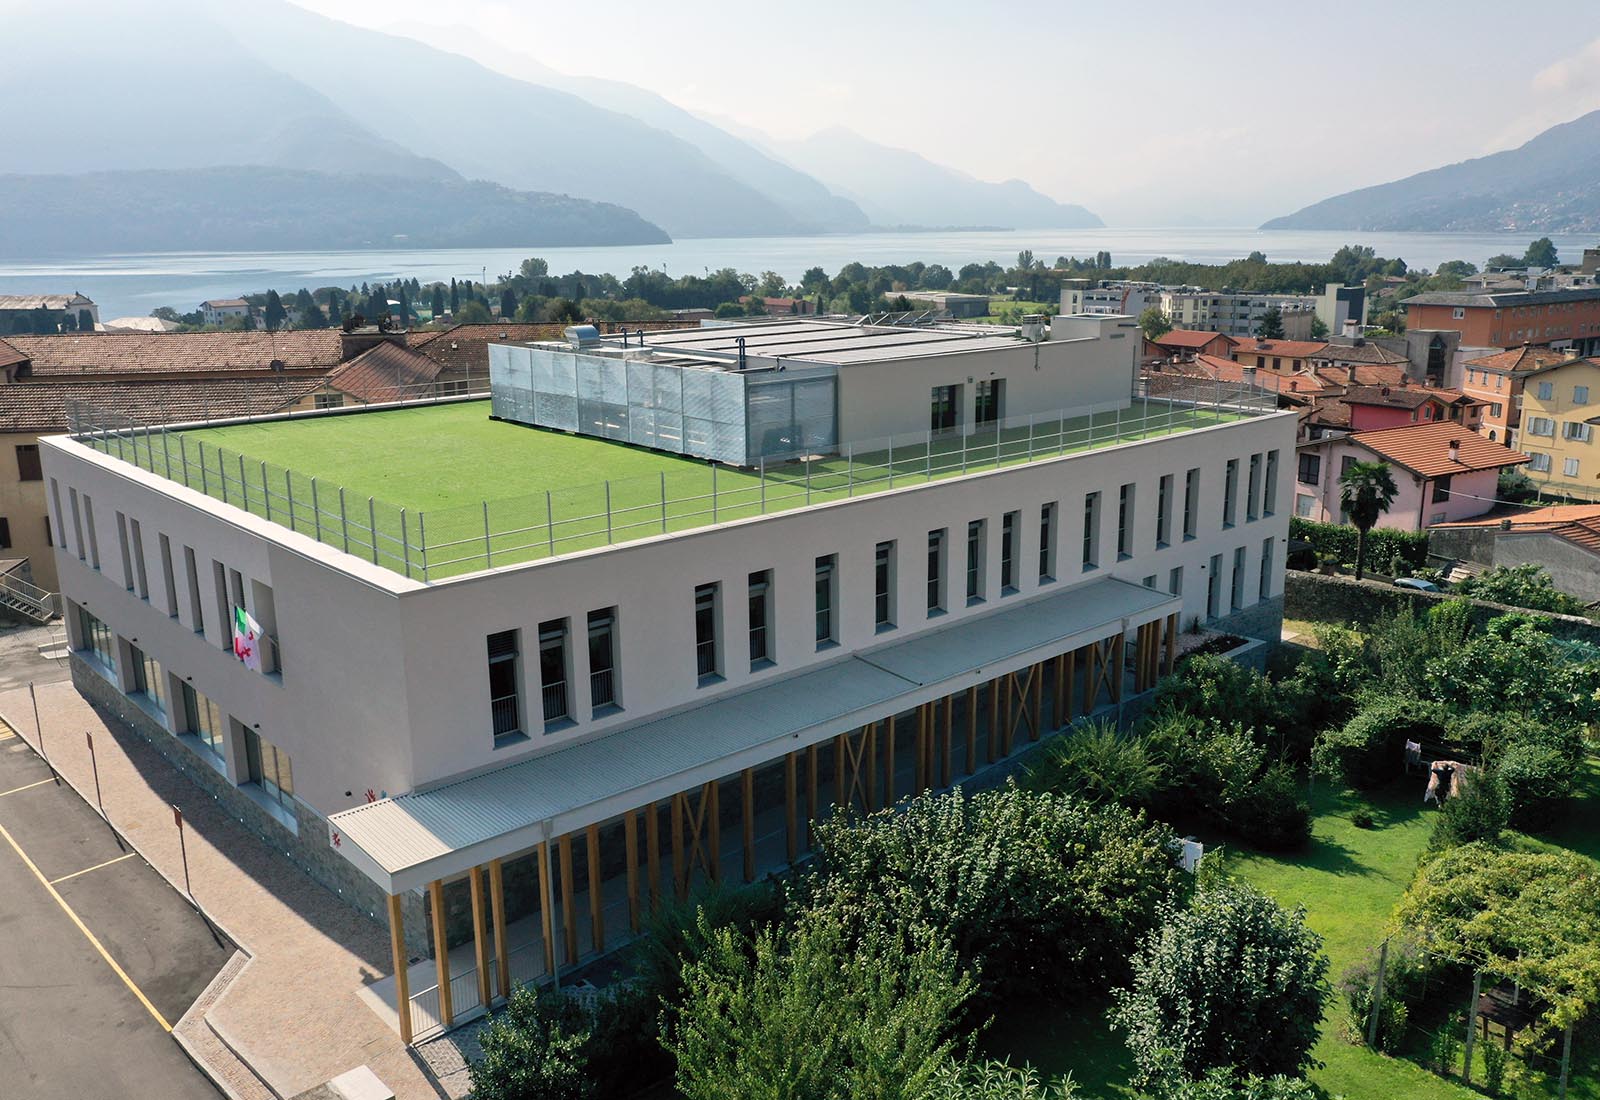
<point x="133" y="285"/>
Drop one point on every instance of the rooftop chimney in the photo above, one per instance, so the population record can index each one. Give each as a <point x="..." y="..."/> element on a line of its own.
<point x="1455" y="450"/>
<point x="1351" y="327"/>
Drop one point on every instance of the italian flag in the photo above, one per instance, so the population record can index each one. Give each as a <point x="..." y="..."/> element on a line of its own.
<point x="246" y="639"/>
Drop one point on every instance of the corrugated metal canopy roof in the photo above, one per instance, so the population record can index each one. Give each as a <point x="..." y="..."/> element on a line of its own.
<point x="411" y="839"/>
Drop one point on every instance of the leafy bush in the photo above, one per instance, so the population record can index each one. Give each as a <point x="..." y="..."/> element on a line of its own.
<point x="534" y="1048"/>
<point x="1446" y="1046"/>
<point x="998" y="1081"/>
<point x="1537" y="779"/>
<point x="1402" y="979"/>
<point x="1494" y="1068"/>
<point x="1037" y="893"/>
<point x="675" y="934"/>
<point x="1272" y="813"/>
<point x="1224" y="1084"/>
<point x="816" y="1011"/>
<point x="1097" y="763"/>
<point x="1369" y="750"/>
<point x="1213" y="687"/>
<point x="1362" y="819"/>
<point x="1383" y="543"/>
<point x="1524" y="585"/>
<point x="1477" y="814"/>
<point x="1232" y="981"/>
<point x="1403" y="643"/>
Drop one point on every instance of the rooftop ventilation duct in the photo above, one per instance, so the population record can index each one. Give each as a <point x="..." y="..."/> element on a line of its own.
<point x="581" y="336"/>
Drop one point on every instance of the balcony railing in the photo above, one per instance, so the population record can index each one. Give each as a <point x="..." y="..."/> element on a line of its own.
<point x="602" y="687"/>
<point x="506" y="713"/>
<point x="555" y="701"/>
<point x="705" y="657"/>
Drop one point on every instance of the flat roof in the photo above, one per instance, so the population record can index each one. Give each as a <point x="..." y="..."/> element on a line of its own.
<point x="832" y="341"/>
<point x="430" y="469"/>
<point x="411" y="839"/>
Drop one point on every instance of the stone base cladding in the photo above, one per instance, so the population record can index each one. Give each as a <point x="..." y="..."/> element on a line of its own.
<point x="307" y="849"/>
<point x="1323" y="599"/>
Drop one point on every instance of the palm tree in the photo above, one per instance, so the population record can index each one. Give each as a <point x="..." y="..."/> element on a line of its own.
<point x="1366" y="490"/>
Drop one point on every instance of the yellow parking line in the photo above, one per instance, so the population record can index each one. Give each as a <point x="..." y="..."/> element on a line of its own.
<point x="96" y="867"/>
<point x="25" y="787"/>
<point x="88" y="935"/>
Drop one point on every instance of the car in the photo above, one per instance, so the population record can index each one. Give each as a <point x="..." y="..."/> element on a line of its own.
<point x="1416" y="582"/>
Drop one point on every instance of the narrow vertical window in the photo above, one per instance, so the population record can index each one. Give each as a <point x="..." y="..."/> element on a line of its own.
<point x="505" y="695"/>
<point x="1164" y="512"/>
<point x="827" y="569"/>
<point x="946" y="409"/>
<point x="203" y="720"/>
<point x="94" y="539"/>
<point x="1252" y="499"/>
<point x="148" y="679"/>
<point x="936" y="557"/>
<point x="196" y="604"/>
<point x="1008" y="551"/>
<point x="1266" y="569"/>
<point x="168" y="579"/>
<point x="1125" y="522"/>
<point x="760" y="601"/>
<point x="1191" y="502"/>
<point x="603" y="658"/>
<point x="140" y="576"/>
<point x="77" y="522"/>
<point x="1230" y="493"/>
<point x="1214" y="587"/>
<point x="1091" y="530"/>
<point x="883" y="586"/>
<point x="268" y="767"/>
<point x="975" y="578"/>
<point x="555" y="699"/>
<point x="707" y="660"/>
<point x="1175" y="581"/>
<point x="1047" y="543"/>
<point x="122" y="548"/>
<point x="1269" y="495"/>
<point x="1236" y="600"/>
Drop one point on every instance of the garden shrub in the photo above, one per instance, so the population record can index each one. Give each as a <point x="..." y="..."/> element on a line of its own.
<point x="1494" y="1068"/>
<point x="534" y="1048"/>
<point x="1096" y="762"/>
<point x="1224" y="1084"/>
<point x="1233" y="981"/>
<point x="816" y="1011"/>
<point x="675" y="934"/>
<point x="1523" y="585"/>
<point x="1477" y="814"/>
<point x="1383" y="543"/>
<point x="1362" y="819"/>
<point x="1204" y="764"/>
<point x="1537" y="779"/>
<point x="1404" y="978"/>
<point x="1209" y="686"/>
<point x="1038" y="894"/>
<point x="1272" y="813"/>
<point x="998" y="1080"/>
<point x="1369" y="750"/>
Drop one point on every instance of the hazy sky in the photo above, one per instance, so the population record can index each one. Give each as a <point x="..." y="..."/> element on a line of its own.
<point x="1149" y="113"/>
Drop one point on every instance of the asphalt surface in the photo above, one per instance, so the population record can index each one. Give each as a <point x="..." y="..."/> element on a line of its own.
<point x="72" y="1027"/>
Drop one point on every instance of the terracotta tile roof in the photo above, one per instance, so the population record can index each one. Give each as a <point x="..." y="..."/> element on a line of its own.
<point x="224" y="303"/>
<point x="1521" y="359"/>
<point x="464" y="349"/>
<point x="1554" y="515"/>
<point x="1227" y="370"/>
<point x="156" y="353"/>
<point x="1593" y="361"/>
<point x="41" y="407"/>
<point x="1405" y="397"/>
<point x="1425" y="449"/>
<point x="1358" y="353"/>
<point x="1294" y="349"/>
<point x="10" y="355"/>
<point x="1362" y="374"/>
<point x="42" y="301"/>
<point x="385" y="372"/>
<point x="1190" y="338"/>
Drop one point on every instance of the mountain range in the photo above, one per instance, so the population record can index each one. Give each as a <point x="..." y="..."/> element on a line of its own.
<point x="1549" y="184"/>
<point x="185" y="86"/>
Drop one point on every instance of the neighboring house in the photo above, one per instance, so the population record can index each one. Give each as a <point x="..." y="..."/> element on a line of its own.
<point x="1182" y="343"/>
<point x="1505" y="319"/>
<point x="1564" y="539"/>
<point x="955" y="304"/>
<point x="666" y="704"/>
<point x="1443" y="472"/>
<point x="784" y="307"/>
<point x="1496" y="380"/>
<point x="1337" y="353"/>
<point x="1162" y="376"/>
<point x="1560" y="411"/>
<point x="1278" y="356"/>
<point x="1108" y="296"/>
<point x="139" y="324"/>
<point x="1375" y="407"/>
<point x="219" y="311"/>
<point x="47" y="313"/>
<point x="1340" y="306"/>
<point x="1362" y="374"/>
<point x="1238" y="314"/>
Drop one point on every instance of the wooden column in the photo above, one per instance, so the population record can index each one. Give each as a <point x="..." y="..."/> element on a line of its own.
<point x="921" y="758"/>
<point x="747" y="784"/>
<point x="811" y="795"/>
<point x="1060" y="692"/>
<point x="1091" y="687"/>
<point x="652" y="853"/>
<point x="680" y="879"/>
<point x="1119" y="647"/>
<point x="597" y="900"/>
<point x="888" y="761"/>
<point x="398" y="957"/>
<point x="868" y="759"/>
<point x="714" y="792"/>
<point x="569" y="901"/>
<point x="480" y="938"/>
<point x="994" y="719"/>
<point x="1038" y="702"/>
<point x="791" y="823"/>
<point x="972" y="729"/>
<point x="1009" y="680"/>
<point x="1172" y="643"/>
<point x="841" y="797"/>
<point x="630" y="846"/>
<point x="497" y="913"/>
<point x="547" y="914"/>
<point x="1071" y="678"/>
<point x="944" y="743"/>
<point x="441" y="952"/>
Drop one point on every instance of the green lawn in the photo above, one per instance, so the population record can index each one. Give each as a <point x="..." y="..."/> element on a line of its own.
<point x="1349" y="880"/>
<point x="452" y="491"/>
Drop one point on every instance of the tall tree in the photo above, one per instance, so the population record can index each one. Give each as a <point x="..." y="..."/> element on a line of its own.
<point x="1270" y="325"/>
<point x="1366" y="490"/>
<point x="1541" y="253"/>
<point x="273" y="314"/>
<point x="1154" y="323"/>
<point x="455" y="296"/>
<point x="405" y="304"/>
<point x="436" y="303"/>
<point x="508" y="303"/>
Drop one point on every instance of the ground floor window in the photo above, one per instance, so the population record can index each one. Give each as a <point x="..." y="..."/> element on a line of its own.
<point x="148" y="679"/>
<point x="268" y="767"/>
<point x="98" y="640"/>
<point x="204" y="719"/>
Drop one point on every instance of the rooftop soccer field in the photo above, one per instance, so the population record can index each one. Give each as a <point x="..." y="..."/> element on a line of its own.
<point x="442" y="490"/>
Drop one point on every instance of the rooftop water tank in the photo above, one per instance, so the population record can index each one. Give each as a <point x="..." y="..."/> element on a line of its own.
<point x="581" y="336"/>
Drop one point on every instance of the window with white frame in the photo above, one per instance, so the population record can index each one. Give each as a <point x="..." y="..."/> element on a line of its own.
<point x="1541" y="425"/>
<point x="1577" y="431"/>
<point x="1580" y="395"/>
<point x="1569" y="467"/>
<point x="1539" y="463"/>
<point x="760" y="611"/>
<point x="1546" y="390"/>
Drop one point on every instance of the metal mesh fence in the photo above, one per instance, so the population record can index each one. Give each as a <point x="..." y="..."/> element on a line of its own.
<point x="444" y="542"/>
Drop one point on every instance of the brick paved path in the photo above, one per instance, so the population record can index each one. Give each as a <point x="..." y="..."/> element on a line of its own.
<point x="292" y="1012"/>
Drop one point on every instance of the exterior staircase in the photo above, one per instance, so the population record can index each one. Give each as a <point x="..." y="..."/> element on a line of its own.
<point x="22" y="600"/>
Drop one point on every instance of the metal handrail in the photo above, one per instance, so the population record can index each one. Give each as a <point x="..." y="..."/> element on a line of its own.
<point x="43" y="601"/>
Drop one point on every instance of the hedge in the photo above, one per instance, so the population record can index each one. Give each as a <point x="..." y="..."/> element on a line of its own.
<point x="1383" y="543"/>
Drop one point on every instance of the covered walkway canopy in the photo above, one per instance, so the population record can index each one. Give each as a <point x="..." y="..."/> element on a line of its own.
<point x="414" y="839"/>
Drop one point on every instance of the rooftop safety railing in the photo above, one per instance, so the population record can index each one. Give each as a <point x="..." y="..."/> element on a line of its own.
<point x="445" y="542"/>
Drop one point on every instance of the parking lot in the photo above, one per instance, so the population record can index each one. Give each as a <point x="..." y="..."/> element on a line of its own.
<point x="99" y="956"/>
